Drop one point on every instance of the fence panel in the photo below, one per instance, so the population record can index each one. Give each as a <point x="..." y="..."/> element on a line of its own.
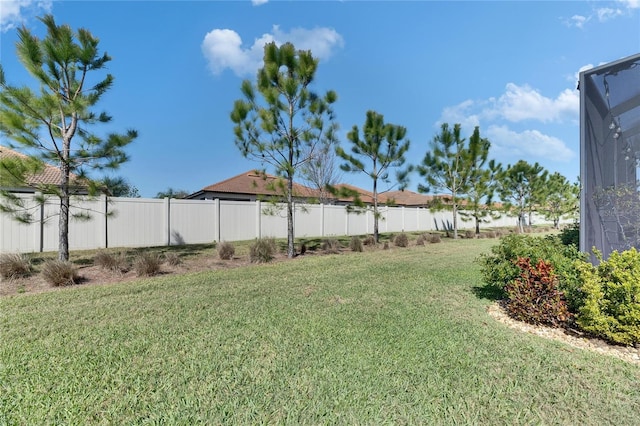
<point x="137" y="222"/>
<point x="238" y="220"/>
<point x="308" y="220"/>
<point x="335" y="220"/>
<point x="192" y="221"/>
<point x="144" y="222"/>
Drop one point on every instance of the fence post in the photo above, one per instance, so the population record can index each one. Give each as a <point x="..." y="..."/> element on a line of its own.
<point x="322" y="219"/>
<point x="258" y="220"/>
<point x="39" y="229"/>
<point x="105" y="200"/>
<point x="216" y="222"/>
<point x="167" y="202"/>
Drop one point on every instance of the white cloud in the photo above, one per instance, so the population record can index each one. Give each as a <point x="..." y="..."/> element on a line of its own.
<point x="604" y="14"/>
<point x="259" y="2"/>
<point x="529" y="144"/>
<point x="223" y="47"/>
<point x="577" y="21"/>
<point x="520" y="103"/>
<point x="15" y="12"/>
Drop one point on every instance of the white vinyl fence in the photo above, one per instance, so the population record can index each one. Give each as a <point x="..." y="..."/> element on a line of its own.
<point x="143" y="222"/>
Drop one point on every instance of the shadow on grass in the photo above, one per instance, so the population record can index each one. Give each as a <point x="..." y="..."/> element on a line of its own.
<point x="488" y="292"/>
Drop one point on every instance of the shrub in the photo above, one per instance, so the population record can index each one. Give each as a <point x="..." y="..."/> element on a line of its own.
<point x="369" y="241"/>
<point x="401" y="240"/>
<point x="303" y="248"/>
<point x="499" y="267"/>
<point x="111" y="262"/>
<point x="59" y="272"/>
<point x="611" y="307"/>
<point x="469" y="234"/>
<point x="262" y="250"/>
<point x="147" y="264"/>
<point x="385" y="246"/>
<point x="570" y="235"/>
<point x="490" y="234"/>
<point x="14" y="265"/>
<point x="355" y="244"/>
<point x="421" y="239"/>
<point x="172" y="258"/>
<point x="331" y="245"/>
<point x="434" y="238"/>
<point x="226" y="250"/>
<point x="533" y="297"/>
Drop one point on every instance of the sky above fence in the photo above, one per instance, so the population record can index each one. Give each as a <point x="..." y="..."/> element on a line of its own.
<point x="510" y="67"/>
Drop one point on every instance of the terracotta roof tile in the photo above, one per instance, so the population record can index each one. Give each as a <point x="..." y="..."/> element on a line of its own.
<point x="49" y="176"/>
<point x="257" y="183"/>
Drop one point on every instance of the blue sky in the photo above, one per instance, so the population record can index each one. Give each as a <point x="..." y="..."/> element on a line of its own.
<point x="510" y="67"/>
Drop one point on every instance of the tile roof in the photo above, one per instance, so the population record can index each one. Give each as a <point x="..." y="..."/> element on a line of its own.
<point x="408" y="198"/>
<point x="49" y="176"/>
<point x="257" y="183"/>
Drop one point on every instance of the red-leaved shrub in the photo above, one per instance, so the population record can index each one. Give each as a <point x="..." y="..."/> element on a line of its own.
<point x="533" y="297"/>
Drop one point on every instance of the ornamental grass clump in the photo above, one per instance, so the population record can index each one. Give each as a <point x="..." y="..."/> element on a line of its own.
<point x="59" y="273"/>
<point x="401" y="240"/>
<point x="331" y="246"/>
<point x="14" y="265"/>
<point x="147" y="264"/>
<point x="172" y="259"/>
<point x="434" y="239"/>
<point x="611" y="306"/>
<point x="116" y="262"/>
<point x="262" y="251"/>
<point x="355" y="244"/>
<point x="533" y="297"/>
<point x="226" y="251"/>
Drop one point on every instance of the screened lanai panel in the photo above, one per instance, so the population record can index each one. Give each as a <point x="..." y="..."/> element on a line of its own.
<point x="610" y="156"/>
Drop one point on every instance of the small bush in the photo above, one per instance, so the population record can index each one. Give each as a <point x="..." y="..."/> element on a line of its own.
<point x="14" y="265"/>
<point x="172" y="258"/>
<point x="59" y="272"/>
<point x="570" y="235"/>
<point x="226" y="250"/>
<point x="355" y="244"/>
<point x="262" y="251"/>
<point x="421" y="239"/>
<point x="490" y="234"/>
<point x="331" y="246"/>
<point x="303" y="248"/>
<point x="499" y="266"/>
<point x="147" y="264"/>
<point x="385" y="246"/>
<point x="401" y="240"/>
<point x="611" y="307"/>
<point x="533" y="297"/>
<point x="434" y="239"/>
<point x="469" y="234"/>
<point x="369" y="241"/>
<point x="116" y="262"/>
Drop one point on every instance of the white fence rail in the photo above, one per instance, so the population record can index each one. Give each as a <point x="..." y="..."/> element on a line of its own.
<point x="143" y="222"/>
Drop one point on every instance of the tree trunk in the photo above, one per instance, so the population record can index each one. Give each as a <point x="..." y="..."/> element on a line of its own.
<point x="376" y="234"/>
<point x="291" y="249"/>
<point x="63" y="220"/>
<point x="477" y="225"/>
<point x="455" y="220"/>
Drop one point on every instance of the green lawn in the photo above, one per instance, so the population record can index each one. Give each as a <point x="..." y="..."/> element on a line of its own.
<point x="395" y="336"/>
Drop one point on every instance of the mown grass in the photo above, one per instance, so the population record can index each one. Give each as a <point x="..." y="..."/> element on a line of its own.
<point x="387" y="337"/>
